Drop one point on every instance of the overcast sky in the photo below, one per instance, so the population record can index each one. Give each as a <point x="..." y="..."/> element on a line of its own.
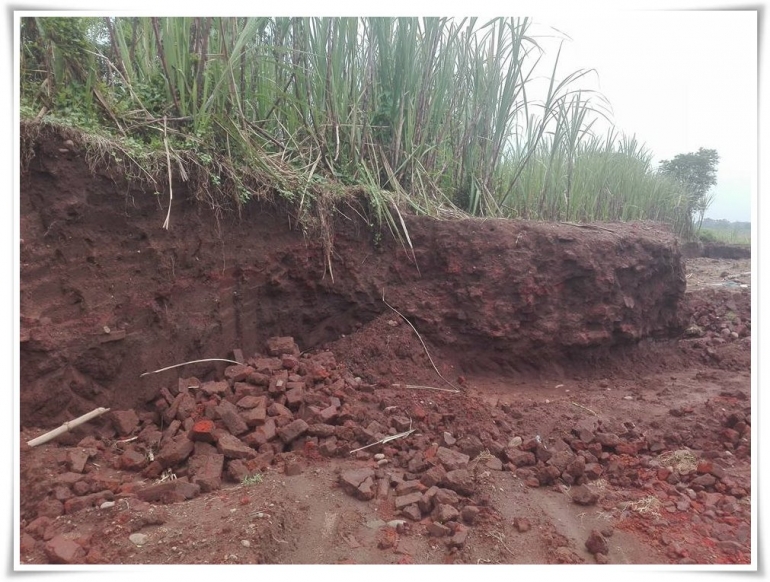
<point x="679" y="81"/>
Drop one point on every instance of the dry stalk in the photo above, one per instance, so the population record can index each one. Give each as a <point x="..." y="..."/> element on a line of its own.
<point x="592" y="227"/>
<point x="501" y="540"/>
<point x="645" y="505"/>
<point x="186" y="363"/>
<point x="413" y="387"/>
<point x="402" y="316"/>
<point x="67" y="426"/>
<point x="168" y="165"/>
<point x="387" y="439"/>
<point x="682" y="460"/>
<point x="584" y="408"/>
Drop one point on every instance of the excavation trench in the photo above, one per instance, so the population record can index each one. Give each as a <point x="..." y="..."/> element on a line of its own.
<point x="107" y="294"/>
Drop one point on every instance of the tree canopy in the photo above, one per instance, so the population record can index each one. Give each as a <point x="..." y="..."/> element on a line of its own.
<point x="697" y="172"/>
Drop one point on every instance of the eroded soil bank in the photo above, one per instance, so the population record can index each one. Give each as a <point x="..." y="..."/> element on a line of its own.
<point x="602" y="409"/>
<point x="107" y="293"/>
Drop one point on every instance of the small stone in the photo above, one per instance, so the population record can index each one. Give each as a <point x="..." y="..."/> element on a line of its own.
<point x="596" y="544"/>
<point x="406" y="487"/>
<point x="607" y="439"/>
<point x="494" y="464"/>
<point x="107" y="505"/>
<point x="138" y="539"/>
<point x="409" y="499"/>
<point x="293" y="468"/>
<point x="62" y="550"/>
<point x="174" y="452"/>
<point x="522" y="524"/>
<point x="77" y="460"/>
<point x="246" y="543"/>
<point x="515" y="442"/>
<point x="279" y="346"/>
<point x="206" y="467"/>
<point x="469" y="514"/>
<point x="351" y="480"/>
<point x="400" y="423"/>
<point x="365" y="490"/>
<point x="461" y="536"/>
<point x="459" y="480"/>
<point x="593" y="471"/>
<point x="582" y="495"/>
<point x="704" y="481"/>
<point x="212" y="388"/>
<point x="438" y="530"/>
<point x="433" y="476"/>
<point x="293" y="430"/>
<point x="520" y="458"/>
<point x="125" y="421"/>
<point x="444" y="513"/>
<point x="387" y="538"/>
<point x="412" y="512"/>
<point x="233" y="448"/>
<point x="172" y="491"/>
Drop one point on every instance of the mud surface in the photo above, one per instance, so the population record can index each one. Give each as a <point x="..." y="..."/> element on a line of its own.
<point x="575" y="394"/>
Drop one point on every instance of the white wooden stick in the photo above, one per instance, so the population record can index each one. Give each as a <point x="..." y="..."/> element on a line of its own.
<point x="67" y="426"/>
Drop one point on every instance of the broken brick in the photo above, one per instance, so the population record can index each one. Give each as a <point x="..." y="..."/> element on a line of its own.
<point x="171" y="491"/>
<point x="175" y="452"/>
<point x="63" y="550"/>
<point x="124" y="421"/>
<point x="292" y="430"/>
<point x="279" y="346"/>
<point x="234" y="448"/>
<point x="452" y="459"/>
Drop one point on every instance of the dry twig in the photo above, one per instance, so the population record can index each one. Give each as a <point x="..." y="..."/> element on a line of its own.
<point x="584" y="408"/>
<point x="592" y="227"/>
<point x="191" y="362"/>
<point x="413" y="387"/>
<point x="168" y="164"/>
<point x="402" y="316"/>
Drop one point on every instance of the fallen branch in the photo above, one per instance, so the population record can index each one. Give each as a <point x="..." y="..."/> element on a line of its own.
<point x="67" y="426"/>
<point x="185" y="363"/>
<point x="402" y="316"/>
<point x="411" y="387"/>
<point x="584" y="408"/>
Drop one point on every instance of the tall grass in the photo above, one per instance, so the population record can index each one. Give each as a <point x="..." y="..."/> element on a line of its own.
<point x="425" y="114"/>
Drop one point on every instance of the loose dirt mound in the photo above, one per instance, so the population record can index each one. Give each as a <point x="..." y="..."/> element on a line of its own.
<point x="543" y="393"/>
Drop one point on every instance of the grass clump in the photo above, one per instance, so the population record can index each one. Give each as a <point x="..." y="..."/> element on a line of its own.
<point x="254" y="479"/>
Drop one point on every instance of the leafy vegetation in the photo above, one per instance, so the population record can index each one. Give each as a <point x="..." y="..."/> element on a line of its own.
<point x="697" y="173"/>
<point x="725" y="231"/>
<point x="254" y="479"/>
<point x="430" y="116"/>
